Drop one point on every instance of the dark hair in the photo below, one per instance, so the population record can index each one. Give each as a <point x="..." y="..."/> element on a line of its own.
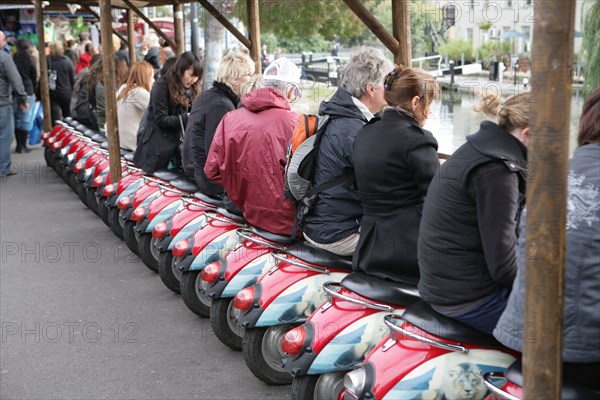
<point x="168" y="64"/>
<point x="177" y="91"/>
<point x="403" y="84"/>
<point x="589" y="125"/>
<point x="95" y="58"/>
<point x="22" y="46"/>
<point x="89" y="47"/>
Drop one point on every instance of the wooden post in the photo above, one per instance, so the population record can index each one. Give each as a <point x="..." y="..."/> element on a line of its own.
<point x="401" y="31"/>
<point x="373" y="24"/>
<point x="225" y="22"/>
<point x="152" y="25"/>
<point x="121" y="37"/>
<point x="179" y="35"/>
<point x="44" y="90"/>
<point x="254" y="32"/>
<point x="552" y="52"/>
<point x="131" y="20"/>
<point x="110" y="98"/>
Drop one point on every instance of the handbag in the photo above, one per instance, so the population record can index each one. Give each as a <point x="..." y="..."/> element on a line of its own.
<point x="52" y="76"/>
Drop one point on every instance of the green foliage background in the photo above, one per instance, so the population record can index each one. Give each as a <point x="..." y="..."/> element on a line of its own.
<point x="591" y="49"/>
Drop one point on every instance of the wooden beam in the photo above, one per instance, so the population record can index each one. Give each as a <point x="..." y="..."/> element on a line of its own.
<point x="131" y="20"/>
<point x="110" y="98"/>
<point x="178" y="22"/>
<point x="225" y="22"/>
<point x="44" y="90"/>
<point x="401" y="31"/>
<point x="552" y="52"/>
<point x="254" y="32"/>
<point x="89" y="9"/>
<point x="158" y="31"/>
<point x="373" y="24"/>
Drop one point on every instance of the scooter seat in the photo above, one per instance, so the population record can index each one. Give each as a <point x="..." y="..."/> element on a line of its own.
<point x="166" y="175"/>
<point x="313" y="255"/>
<point x="104" y="145"/>
<point x="185" y="184"/>
<point x="98" y="138"/>
<point x="128" y="157"/>
<point x="272" y="237"/>
<point x="426" y="318"/>
<point x="89" y="133"/>
<point x="380" y="289"/>
<point x="570" y="389"/>
<point x="208" y="199"/>
<point x="230" y="215"/>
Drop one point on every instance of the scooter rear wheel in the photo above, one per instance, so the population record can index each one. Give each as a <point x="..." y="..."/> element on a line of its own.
<point x="263" y="353"/>
<point x="113" y="222"/>
<point x="103" y="210"/>
<point x="193" y="298"/>
<point x="129" y="237"/>
<point x="318" y="387"/>
<point x="92" y="201"/>
<point x="146" y="253"/>
<point x="168" y="272"/>
<point x="303" y="387"/>
<point x="224" y="327"/>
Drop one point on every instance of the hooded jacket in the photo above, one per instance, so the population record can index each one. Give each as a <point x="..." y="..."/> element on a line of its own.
<point x="467" y="248"/>
<point x="207" y="112"/>
<point x="248" y="156"/>
<point x="337" y="212"/>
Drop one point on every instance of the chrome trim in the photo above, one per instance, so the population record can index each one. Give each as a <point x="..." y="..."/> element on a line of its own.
<point x="162" y="188"/>
<point x="211" y="215"/>
<point x="333" y="293"/>
<point x="194" y="201"/>
<point x="151" y="179"/>
<point x="495" y="390"/>
<point x="280" y="258"/>
<point x="246" y="234"/>
<point x="446" y="346"/>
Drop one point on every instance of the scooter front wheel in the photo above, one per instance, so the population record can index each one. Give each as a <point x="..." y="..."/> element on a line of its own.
<point x="146" y="254"/>
<point x="223" y="324"/>
<point x="318" y="387"/>
<point x="193" y="298"/>
<point x="168" y="271"/>
<point x="92" y="201"/>
<point x="113" y="222"/>
<point x="263" y="354"/>
<point x="103" y="210"/>
<point x="129" y="237"/>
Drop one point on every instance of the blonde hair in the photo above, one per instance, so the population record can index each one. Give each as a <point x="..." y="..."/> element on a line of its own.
<point x="511" y="113"/>
<point x="56" y="49"/>
<point x="233" y="67"/>
<point x="151" y="40"/>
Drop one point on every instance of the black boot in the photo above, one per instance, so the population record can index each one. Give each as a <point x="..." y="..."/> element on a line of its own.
<point x="19" y="148"/>
<point x="22" y="141"/>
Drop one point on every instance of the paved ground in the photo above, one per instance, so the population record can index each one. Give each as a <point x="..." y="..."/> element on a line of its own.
<point x="82" y="318"/>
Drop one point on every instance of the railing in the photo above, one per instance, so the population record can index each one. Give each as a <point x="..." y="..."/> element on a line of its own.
<point x="421" y="59"/>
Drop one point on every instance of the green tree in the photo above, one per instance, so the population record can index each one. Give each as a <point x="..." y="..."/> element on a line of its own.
<point x="455" y="48"/>
<point x="494" y="48"/>
<point x="591" y="49"/>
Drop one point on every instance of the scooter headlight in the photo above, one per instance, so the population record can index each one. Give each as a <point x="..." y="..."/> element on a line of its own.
<point x="70" y="157"/>
<point x="88" y="172"/>
<point x="354" y="382"/>
<point x="63" y="151"/>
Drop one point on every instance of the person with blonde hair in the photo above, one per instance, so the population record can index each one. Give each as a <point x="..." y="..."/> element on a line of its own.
<point x="393" y="201"/>
<point x="208" y="109"/>
<point x="152" y="56"/>
<point x="61" y="79"/>
<point x="133" y="98"/>
<point x="467" y="247"/>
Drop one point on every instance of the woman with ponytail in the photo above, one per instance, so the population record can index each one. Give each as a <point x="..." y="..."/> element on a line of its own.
<point x="467" y="247"/>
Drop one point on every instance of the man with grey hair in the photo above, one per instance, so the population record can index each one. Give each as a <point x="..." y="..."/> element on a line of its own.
<point x="248" y="152"/>
<point x="10" y="81"/>
<point x="333" y="222"/>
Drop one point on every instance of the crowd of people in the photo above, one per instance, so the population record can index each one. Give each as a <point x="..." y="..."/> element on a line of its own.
<point x="454" y="229"/>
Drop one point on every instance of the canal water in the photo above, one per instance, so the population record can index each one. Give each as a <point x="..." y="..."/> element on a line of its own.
<point x="452" y="119"/>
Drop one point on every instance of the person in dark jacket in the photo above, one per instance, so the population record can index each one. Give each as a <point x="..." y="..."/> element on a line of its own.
<point x="153" y="55"/>
<point x="333" y="223"/>
<point x="394" y="162"/>
<point x="248" y="152"/>
<point x="467" y="246"/>
<point x="170" y="100"/>
<point x="581" y="316"/>
<point x="61" y="71"/>
<point x="207" y="111"/>
<point x="26" y="67"/>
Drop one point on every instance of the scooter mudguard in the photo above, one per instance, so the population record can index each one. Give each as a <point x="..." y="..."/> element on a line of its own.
<point x="188" y="230"/>
<point x="298" y="300"/>
<point x="338" y="336"/>
<point x="165" y="200"/>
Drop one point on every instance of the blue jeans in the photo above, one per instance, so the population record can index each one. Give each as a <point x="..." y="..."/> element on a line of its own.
<point x="7" y="132"/>
<point x="486" y="316"/>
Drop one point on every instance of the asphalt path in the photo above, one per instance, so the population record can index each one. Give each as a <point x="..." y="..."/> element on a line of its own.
<point x="83" y="318"/>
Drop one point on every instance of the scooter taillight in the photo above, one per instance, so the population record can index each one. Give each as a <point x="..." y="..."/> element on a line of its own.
<point x="180" y="248"/>
<point x="293" y="340"/>
<point x="243" y="298"/>
<point x="210" y="273"/>
<point x="108" y="190"/>
<point x="123" y="203"/>
<point x="138" y="214"/>
<point x="159" y="230"/>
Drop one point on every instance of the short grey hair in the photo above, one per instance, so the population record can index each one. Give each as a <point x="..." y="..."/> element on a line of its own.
<point x="151" y="40"/>
<point x="367" y="66"/>
<point x="280" y="86"/>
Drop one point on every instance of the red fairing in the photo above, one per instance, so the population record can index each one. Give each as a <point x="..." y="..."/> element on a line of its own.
<point x="185" y="216"/>
<point x="210" y="232"/>
<point x="128" y="180"/>
<point x="159" y="203"/>
<point x="240" y="257"/>
<point x="143" y="192"/>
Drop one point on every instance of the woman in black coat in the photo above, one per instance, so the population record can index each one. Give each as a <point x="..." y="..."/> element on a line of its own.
<point x="170" y="100"/>
<point x="394" y="162"/>
<point x="26" y="67"/>
<point x="61" y="79"/>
